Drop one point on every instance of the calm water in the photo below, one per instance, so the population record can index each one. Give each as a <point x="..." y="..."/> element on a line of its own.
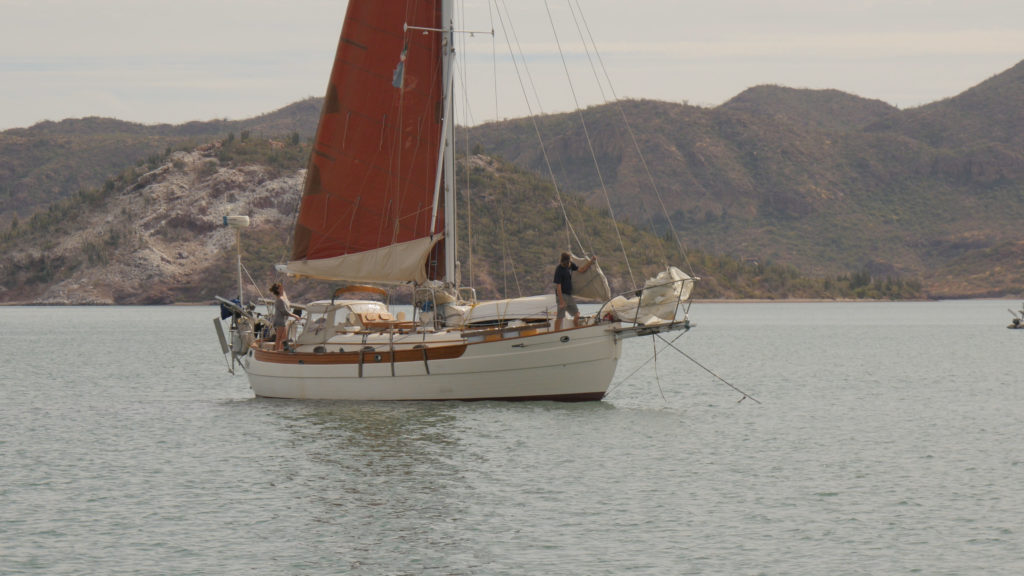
<point x="888" y="441"/>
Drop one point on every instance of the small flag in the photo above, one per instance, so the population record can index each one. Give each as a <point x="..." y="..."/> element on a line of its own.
<point x="398" y="78"/>
<point x="399" y="75"/>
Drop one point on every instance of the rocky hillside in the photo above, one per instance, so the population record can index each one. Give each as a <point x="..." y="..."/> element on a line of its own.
<point x="155" y="235"/>
<point x="817" y="182"/>
<point x="159" y="239"/>
<point x="51" y="161"/>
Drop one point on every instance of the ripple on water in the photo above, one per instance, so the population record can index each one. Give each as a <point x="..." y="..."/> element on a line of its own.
<point x="885" y="443"/>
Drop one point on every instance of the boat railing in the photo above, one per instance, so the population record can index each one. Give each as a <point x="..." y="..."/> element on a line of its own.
<point x="467" y="294"/>
<point x="608" y="308"/>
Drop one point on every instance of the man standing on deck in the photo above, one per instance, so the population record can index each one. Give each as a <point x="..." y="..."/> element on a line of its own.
<point x="563" y="289"/>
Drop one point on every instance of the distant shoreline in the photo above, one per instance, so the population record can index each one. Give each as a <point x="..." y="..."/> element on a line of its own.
<point x="696" y="302"/>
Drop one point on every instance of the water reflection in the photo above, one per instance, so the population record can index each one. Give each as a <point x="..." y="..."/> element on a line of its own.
<point x="375" y="481"/>
<point x="369" y="439"/>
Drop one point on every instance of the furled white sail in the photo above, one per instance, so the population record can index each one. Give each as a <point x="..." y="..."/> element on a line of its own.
<point x="592" y="284"/>
<point x="394" y="264"/>
<point x="661" y="301"/>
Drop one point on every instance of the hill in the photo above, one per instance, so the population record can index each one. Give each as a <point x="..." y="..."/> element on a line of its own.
<point x="826" y="110"/>
<point x="54" y="160"/>
<point x="815" y="179"/>
<point x="155" y="236"/>
<point x="987" y="114"/>
<point x="818" y="182"/>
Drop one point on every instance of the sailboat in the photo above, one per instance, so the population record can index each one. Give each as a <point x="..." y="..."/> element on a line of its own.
<point x="1018" y="319"/>
<point x="378" y="211"/>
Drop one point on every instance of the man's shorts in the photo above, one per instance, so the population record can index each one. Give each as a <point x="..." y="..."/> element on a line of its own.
<point x="570" y="306"/>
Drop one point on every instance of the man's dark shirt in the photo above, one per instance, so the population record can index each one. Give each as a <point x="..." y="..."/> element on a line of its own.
<point x="563" y="276"/>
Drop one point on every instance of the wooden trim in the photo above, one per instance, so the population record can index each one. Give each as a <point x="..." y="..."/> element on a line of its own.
<point x="360" y="357"/>
<point x="580" y="397"/>
<point x="358" y="288"/>
<point x="384" y="325"/>
<point x="522" y="331"/>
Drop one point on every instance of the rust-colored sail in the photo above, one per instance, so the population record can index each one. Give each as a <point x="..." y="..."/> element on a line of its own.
<point x="368" y="198"/>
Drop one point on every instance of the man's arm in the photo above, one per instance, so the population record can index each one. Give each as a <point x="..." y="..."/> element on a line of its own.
<point x="588" y="264"/>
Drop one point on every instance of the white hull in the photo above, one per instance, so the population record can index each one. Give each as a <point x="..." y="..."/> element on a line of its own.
<point x="576" y="364"/>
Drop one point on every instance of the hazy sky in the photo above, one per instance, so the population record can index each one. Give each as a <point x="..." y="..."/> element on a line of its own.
<point x="172" y="61"/>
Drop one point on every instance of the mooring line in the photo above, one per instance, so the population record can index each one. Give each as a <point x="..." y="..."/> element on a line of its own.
<point x="657" y="378"/>
<point x="709" y="371"/>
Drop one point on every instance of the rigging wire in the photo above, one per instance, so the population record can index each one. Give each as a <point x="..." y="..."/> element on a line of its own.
<point x="671" y="344"/>
<point x="645" y="363"/>
<point x="708" y="370"/>
<point x="533" y="120"/>
<point x="632" y="134"/>
<point x="506" y="253"/>
<point x="468" y="121"/>
<point x="657" y="377"/>
<point x="394" y="180"/>
<point x="509" y="262"/>
<point x="586" y="48"/>
<point x="604" y="98"/>
<point x="580" y="221"/>
<point x="494" y="59"/>
<point x="522" y="55"/>
<point x="590" y="144"/>
<point x="253" y="282"/>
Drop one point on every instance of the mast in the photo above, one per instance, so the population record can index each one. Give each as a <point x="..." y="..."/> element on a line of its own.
<point x="448" y="58"/>
<point x="445" y="183"/>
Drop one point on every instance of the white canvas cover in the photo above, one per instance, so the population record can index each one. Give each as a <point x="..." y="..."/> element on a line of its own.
<point x="501" y="310"/>
<point x="662" y="298"/>
<point x="395" y="264"/>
